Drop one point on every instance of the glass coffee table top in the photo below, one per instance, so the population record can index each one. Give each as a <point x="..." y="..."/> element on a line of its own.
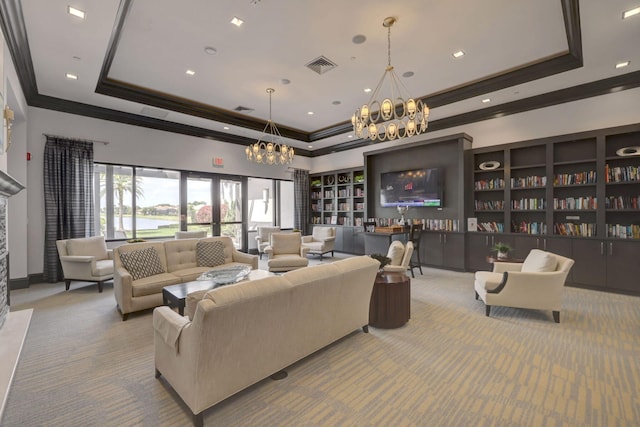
<point x="226" y="275"/>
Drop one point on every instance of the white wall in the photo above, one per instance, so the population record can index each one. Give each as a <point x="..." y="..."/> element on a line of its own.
<point x="615" y="109"/>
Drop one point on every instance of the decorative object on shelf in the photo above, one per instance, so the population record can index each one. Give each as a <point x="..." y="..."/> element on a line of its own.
<point x="489" y="166"/>
<point x="385" y="120"/>
<point x="502" y="250"/>
<point x="628" y="151"/>
<point x="269" y="151"/>
<point x="402" y="210"/>
<point x="358" y="179"/>
<point x="382" y="259"/>
<point x="8" y="118"/>
<point x="331" y="180"/>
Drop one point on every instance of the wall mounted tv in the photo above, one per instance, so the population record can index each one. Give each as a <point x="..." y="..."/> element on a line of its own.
<point x="420" y="187"/>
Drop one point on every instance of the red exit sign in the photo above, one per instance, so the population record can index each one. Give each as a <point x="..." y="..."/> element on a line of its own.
<point x="217" y="162"/>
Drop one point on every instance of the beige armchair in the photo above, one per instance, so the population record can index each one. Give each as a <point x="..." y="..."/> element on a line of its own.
<point x="321" y="241"/>
<point x="285" y="252"/>
<point x="537" y="283"/>
<point x="85" y="259"/>
<point x="406" y="252"/>
<point x="262" y="239"/>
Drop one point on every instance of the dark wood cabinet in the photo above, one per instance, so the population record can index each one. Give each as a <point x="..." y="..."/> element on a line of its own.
<point x="623" y="266"/>
<point x="443" y="249"/>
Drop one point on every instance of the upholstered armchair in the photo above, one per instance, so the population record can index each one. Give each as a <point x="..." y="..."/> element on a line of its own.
<point x="321" y="241"/>
<point x="537" y="283"/>
<point x="199" y="234"/>
<point x="286" y="252"/>
<point x="400" y="256"/>
<point x="85" y="259"/>
<point x="262" y="239"/>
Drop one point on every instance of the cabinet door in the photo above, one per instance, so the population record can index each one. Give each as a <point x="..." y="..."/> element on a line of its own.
<point x="523" y="244"/>
<point x="339" y="244"/>
<point x="623" y="266"/>
<point x="560" y="246"/>
<point x="478" y="247"/>
<point x="358" y="241"/>
<point x="431" y="248"/>
<point x="453" y="250"/>
<point x="590" y="262"/>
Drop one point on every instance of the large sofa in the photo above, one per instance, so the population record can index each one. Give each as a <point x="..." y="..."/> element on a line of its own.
<point x="243" y="333"/>
<point x="141" y="270"/>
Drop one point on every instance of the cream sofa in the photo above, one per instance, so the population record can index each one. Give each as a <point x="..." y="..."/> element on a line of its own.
<point x="177" y="262"/>
<point x="243" y="333"/>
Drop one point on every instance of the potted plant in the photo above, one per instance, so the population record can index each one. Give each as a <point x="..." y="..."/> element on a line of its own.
<point x="502" y="249"/>
<point x="382" y="259"/>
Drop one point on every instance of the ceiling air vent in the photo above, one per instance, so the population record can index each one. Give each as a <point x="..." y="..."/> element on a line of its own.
<point x="321" y="65"/>
<point x="241" y="109"/>
<point x="154" y="112"/>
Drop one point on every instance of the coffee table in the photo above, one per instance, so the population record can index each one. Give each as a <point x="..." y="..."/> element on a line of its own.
<point x="174" y="296"/>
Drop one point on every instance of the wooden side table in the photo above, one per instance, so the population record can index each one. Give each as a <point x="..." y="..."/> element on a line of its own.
<point x="390" y="305"/>
<point x="491" y="259"/>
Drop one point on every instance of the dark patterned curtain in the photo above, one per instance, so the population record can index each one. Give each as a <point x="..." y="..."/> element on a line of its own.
<point x="301" y="201"/>
<point x="68" y="197"/>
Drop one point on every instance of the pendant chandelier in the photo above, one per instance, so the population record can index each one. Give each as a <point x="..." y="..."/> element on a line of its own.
<point x="398" y="115"/>
<point x="266" y="150"/>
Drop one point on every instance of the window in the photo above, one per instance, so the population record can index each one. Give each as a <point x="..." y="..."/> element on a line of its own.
<point x="136" y="203"/>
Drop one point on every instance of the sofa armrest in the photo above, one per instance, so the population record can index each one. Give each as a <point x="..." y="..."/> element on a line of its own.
<point x="252" y="260"/>
<point x="123" y="288"/>
<point x="328" y="239"/>
<point x="304" y="251"/>
<point x="269" y="251"/>
<point x="169" y="325"/>
<point x="109" y="253"/>
<point x="501" y="267"/>
<point x="307" y="239"/>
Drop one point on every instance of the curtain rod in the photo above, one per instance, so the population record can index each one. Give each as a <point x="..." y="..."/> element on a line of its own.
<point x="76" y="139"/>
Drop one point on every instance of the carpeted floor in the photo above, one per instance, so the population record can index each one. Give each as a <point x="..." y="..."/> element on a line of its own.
<point x="449" y="366"/>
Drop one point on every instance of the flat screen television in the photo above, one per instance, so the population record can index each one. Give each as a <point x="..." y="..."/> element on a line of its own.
<point x="420" y="187"/>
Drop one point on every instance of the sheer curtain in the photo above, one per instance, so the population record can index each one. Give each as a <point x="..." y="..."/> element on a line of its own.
<point x="301" y="200"/>
<point x="68" y="197"/>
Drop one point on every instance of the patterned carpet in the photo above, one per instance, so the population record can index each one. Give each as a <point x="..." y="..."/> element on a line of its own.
<point x="449" y="366"/>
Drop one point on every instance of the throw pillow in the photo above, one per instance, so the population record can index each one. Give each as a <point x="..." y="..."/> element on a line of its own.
<point x="539" y="261"/>
<point x="396" y="250"/>
<point x="210" y="254"/>
<point x="142" y="263"/>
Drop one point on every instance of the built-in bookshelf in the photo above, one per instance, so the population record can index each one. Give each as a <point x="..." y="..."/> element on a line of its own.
<point x="622" y="186"/>
<point x="337" y="198"/>
<point x="489" y="191"/>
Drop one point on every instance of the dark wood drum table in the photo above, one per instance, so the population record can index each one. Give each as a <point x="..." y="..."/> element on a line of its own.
<point x="390" y="305"/>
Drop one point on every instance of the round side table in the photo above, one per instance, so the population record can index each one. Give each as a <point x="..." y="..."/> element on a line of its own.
<point x="390" y="305"/>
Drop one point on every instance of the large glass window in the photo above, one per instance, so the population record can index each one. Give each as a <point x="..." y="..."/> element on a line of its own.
<point x="136" y="203"/>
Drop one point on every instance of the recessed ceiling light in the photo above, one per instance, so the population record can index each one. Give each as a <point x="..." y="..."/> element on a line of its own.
<point x="458" y="54"/>
<point x="190" y="72"/>
<point x="71" y="76"/>
<point x="486" y="100"/>
<point x="359" y="39"/>
<point x="237" y="21"/>
<point x="75" y="12"/>
<point x="337" y="102"/>
<point x="285" y="81"/>
<point x="76" y="58"/>
<point x="310" y="113"/>
<point x="367" y="90"/>
<point x="309" y="146"/>
<point x="622" y="64"/>
<point x="225" y="127"/>
<point x="630" y="13"/>
<point x="408" y="74"/>
<point x="350" y="136"/>
<point x="210" y="50"/>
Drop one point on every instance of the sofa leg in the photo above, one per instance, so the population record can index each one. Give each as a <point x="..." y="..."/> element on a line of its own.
<point x="198" y="420"/>
<point x="125" y="316"/>
<point x="477" y="296"/>
<point x="67" y="284"/>
<point x="280" y="375"/>
<point x="100" y="286"/>
<point x="365" y="329"/>
<point x="556" y="316"/>
<point x="487" y="310"/>
<point x="158" y="374"/>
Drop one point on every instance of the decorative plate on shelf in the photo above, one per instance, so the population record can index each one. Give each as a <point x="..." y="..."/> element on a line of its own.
<point x="488" y="166"/>
<point x="628" y="151"/>
<point x="227" y="275"/>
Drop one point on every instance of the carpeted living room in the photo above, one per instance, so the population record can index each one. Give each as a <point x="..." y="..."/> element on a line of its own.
<point x="450" y="365"/>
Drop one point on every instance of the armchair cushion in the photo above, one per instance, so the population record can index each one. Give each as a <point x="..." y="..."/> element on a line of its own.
<point x="210" y="254"/>
<point x="142" y="263"/>
<point x="539" y="262"/>
<point x="89" y="246"/>
<point x="395" y="252"/>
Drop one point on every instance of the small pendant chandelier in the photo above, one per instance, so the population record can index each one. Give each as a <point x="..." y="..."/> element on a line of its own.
<point x="398" y="115"/>
<point x="269" y="151"/>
